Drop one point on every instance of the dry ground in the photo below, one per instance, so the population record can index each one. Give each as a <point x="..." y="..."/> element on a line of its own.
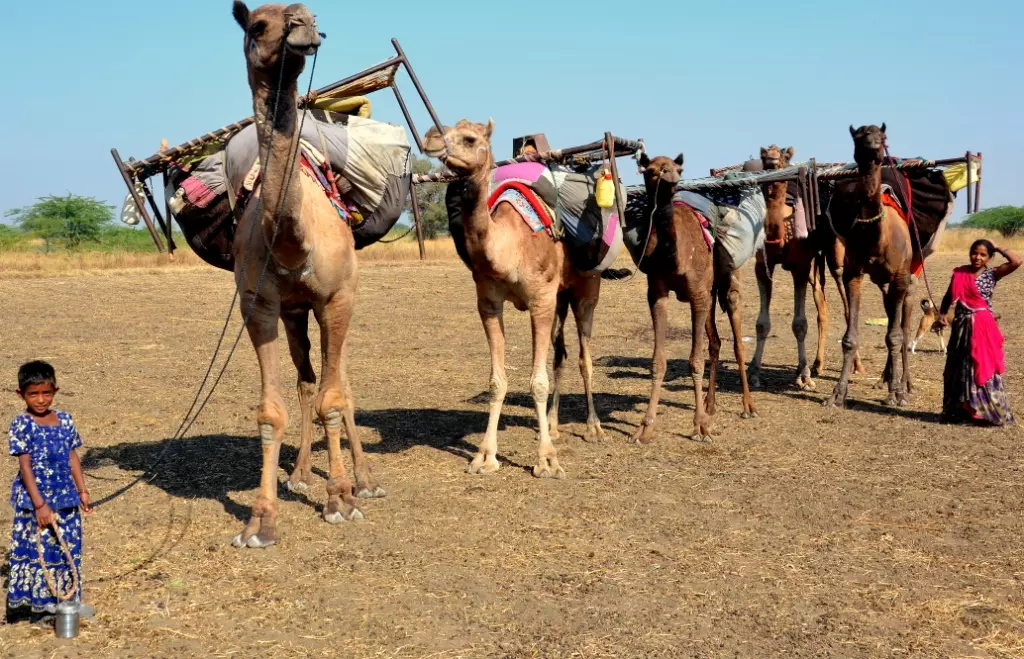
<point x="806" y="532"/>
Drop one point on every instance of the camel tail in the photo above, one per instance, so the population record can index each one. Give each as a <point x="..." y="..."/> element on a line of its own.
<point x="616" y="273"/>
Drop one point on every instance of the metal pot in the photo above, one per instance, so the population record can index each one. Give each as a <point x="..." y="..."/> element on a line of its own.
<point x="66" y="621"/>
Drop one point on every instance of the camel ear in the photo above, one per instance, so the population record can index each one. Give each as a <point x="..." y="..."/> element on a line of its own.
<point x="433" y="142"/>
<point x="883" y="126"/>
<point x="241" y="14"/>
<point x="789" y="153"/>
<point x="489" y="128"/>
<point x="853" y="131"/>
<point x="679" y="160"/>
<point x="643" y="160"/>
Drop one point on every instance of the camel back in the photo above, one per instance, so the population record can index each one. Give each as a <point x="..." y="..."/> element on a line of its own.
<point x="373" y="156"/>
<point x="736" y="217"/>
<point x="931" y="200"/>
<point x="593" y="234"/>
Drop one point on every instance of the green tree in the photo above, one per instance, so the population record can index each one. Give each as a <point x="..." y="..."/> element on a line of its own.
<point x="71" y="219"/>
<point x="430" y="199"/>
<point x="1007" y="220"/>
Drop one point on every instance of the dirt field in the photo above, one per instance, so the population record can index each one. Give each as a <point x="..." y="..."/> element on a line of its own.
<point x="806" y="532"/>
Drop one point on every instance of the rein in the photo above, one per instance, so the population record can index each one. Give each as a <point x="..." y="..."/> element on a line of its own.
<point x="61" y="596"/>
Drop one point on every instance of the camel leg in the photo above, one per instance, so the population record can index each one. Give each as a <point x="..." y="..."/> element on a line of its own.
<point x="818" y="290"/>
<point x="558" y="341"/>
<point x="853" y="282"/>
<point x="700" y="311"/>
<point x="730" y="300"/>
<point x="835" y="264"/>
<point x="336" y="409"/>
<point x="296" y="326"/>
<point x="491" y="308"/>
<point x="801" y="275"/>
<point x="893" y="298"/>
<point x="714" y="351"/>
<point x="272" y="419"/>
<point x="583" y="305"/>
<point x="764" y="319"/>
<point x="657" y="300"/>
<point x="542" y="317"/>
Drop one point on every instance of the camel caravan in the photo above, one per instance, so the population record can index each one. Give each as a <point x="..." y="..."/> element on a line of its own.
<point x="286" y="199"/>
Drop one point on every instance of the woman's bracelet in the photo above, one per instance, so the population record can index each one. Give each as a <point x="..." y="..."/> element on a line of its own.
<point x="40" y="506"/>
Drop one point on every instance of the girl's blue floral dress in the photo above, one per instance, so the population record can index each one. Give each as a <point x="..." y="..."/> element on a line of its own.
<point x="50" y="448"/>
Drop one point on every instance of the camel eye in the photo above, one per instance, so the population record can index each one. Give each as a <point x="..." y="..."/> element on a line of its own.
<point x="469" y="140"/>
<point x="257" y="29"/>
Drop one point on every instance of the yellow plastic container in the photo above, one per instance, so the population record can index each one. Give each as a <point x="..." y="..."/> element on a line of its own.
<point x="605" y="192"/>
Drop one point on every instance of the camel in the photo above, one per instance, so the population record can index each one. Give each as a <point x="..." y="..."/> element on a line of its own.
<point x="805" y="259"/>
<point x="677" y="260"/>
<point x="878" y="244"/>
<point x="294" y="255"/>
<point x="509" y="262"/>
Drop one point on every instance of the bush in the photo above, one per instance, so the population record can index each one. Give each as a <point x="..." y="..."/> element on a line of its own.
<point x="1007" y="220"/>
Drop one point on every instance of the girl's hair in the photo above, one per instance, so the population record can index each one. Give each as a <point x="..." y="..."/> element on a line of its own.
<point x="36" y="372"/>
<point x="987" y="244"/>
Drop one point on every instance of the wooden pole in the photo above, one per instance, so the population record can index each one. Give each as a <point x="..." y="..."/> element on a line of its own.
<point x="967" y="158"/>
<point x="416" y="219"/>
<point x="167" y="207"/>
<point x="977" y="187"/>
<point x="130" y="183"/>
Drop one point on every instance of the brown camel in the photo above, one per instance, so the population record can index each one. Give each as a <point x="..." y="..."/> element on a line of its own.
<point x="308" y="253"/>
<point x="804" y="258"/>
<point x="511" y="263"/>
<point x="677" y="260"/>
<point x="878" y="244"/>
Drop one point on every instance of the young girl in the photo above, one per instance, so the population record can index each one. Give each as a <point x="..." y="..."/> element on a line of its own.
<point x="972" y="386"/>
<point x="48" y="491"/>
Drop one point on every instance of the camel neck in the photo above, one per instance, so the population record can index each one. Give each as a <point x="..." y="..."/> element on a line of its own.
<point x="775" y="215"/>
<point x="871" y="189"/>
<point x="474" y="205"/>
<point x="278" y="142"/>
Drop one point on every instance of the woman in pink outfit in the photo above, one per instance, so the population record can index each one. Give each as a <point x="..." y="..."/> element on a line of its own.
<point x="972" y="382"/>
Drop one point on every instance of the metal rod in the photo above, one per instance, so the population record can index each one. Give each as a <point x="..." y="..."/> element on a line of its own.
<point x="138" y="201"/>
<point x="416" y="219"/>
<point x="623" y="147"/>
<point x="967" y="158"/>
<point x="419" y="88"/>
<point x="167" y="211"/>
<point x="408" y="117"/>
<point x="977" y="186"/>
<point x="159" y="218"/>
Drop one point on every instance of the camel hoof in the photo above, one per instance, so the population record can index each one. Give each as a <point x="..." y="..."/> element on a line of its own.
<point x="594" y="435"/>
<point x="338" y="517"/>
<point x="296" y="487"/>
<point x="643" y="436"/>
<point x="254" y="542"/>
<point x="700" y="439"/>
<point x="549" y="471"/>
<point x="372" y="493"/>
<point x="481" y="466"/>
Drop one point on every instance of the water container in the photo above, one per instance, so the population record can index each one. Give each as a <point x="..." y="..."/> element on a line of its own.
<point x="65" y="623"/>
<point x="605" y="192"/>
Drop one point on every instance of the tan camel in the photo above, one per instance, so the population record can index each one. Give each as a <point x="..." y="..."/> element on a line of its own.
<point x="805" y="259"/>
<point x="511" y="263"/>
<point x="312" y="267"/>
<point x="878" y="244"/>
<point x="677" y="260"/>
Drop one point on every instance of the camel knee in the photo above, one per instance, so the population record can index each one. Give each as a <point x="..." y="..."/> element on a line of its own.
<point x="272" y="419"/>
<point x="497" y="387"/>
<point x="764" y="327"/>
<point x="539" y="386"/>
<point x="849" y="343"/>
<point x="800" y="328"/>
<point x="330" y="405"/>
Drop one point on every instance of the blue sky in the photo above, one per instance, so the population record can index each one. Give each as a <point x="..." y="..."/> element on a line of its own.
<point x="713" y="79"/>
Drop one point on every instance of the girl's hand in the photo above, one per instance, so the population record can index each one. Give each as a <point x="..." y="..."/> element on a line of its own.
<point x="44" y="516"/>
<point x="84" y="497"/>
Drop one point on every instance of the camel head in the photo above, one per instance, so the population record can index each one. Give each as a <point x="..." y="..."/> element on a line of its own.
<point x="775" y="157"/>
<point x="868" y="144"/>
<point x="273" y="31"/>
<point x="464" y="149"/>
<point x="661" y="174"/>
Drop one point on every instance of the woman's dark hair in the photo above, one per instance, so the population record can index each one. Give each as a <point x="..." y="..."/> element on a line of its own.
<point x="35" y="372"/>
<point x="987" y="244"/>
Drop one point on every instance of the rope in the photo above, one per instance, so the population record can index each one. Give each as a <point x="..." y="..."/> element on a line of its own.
<point x="186" y="424"/>
<point x="61" y="596"/>
<point x="395" y="240"/>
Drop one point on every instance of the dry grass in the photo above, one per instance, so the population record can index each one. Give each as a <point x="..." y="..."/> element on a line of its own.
<point x="807" y="532"/>
<point x="958" y="241"/>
